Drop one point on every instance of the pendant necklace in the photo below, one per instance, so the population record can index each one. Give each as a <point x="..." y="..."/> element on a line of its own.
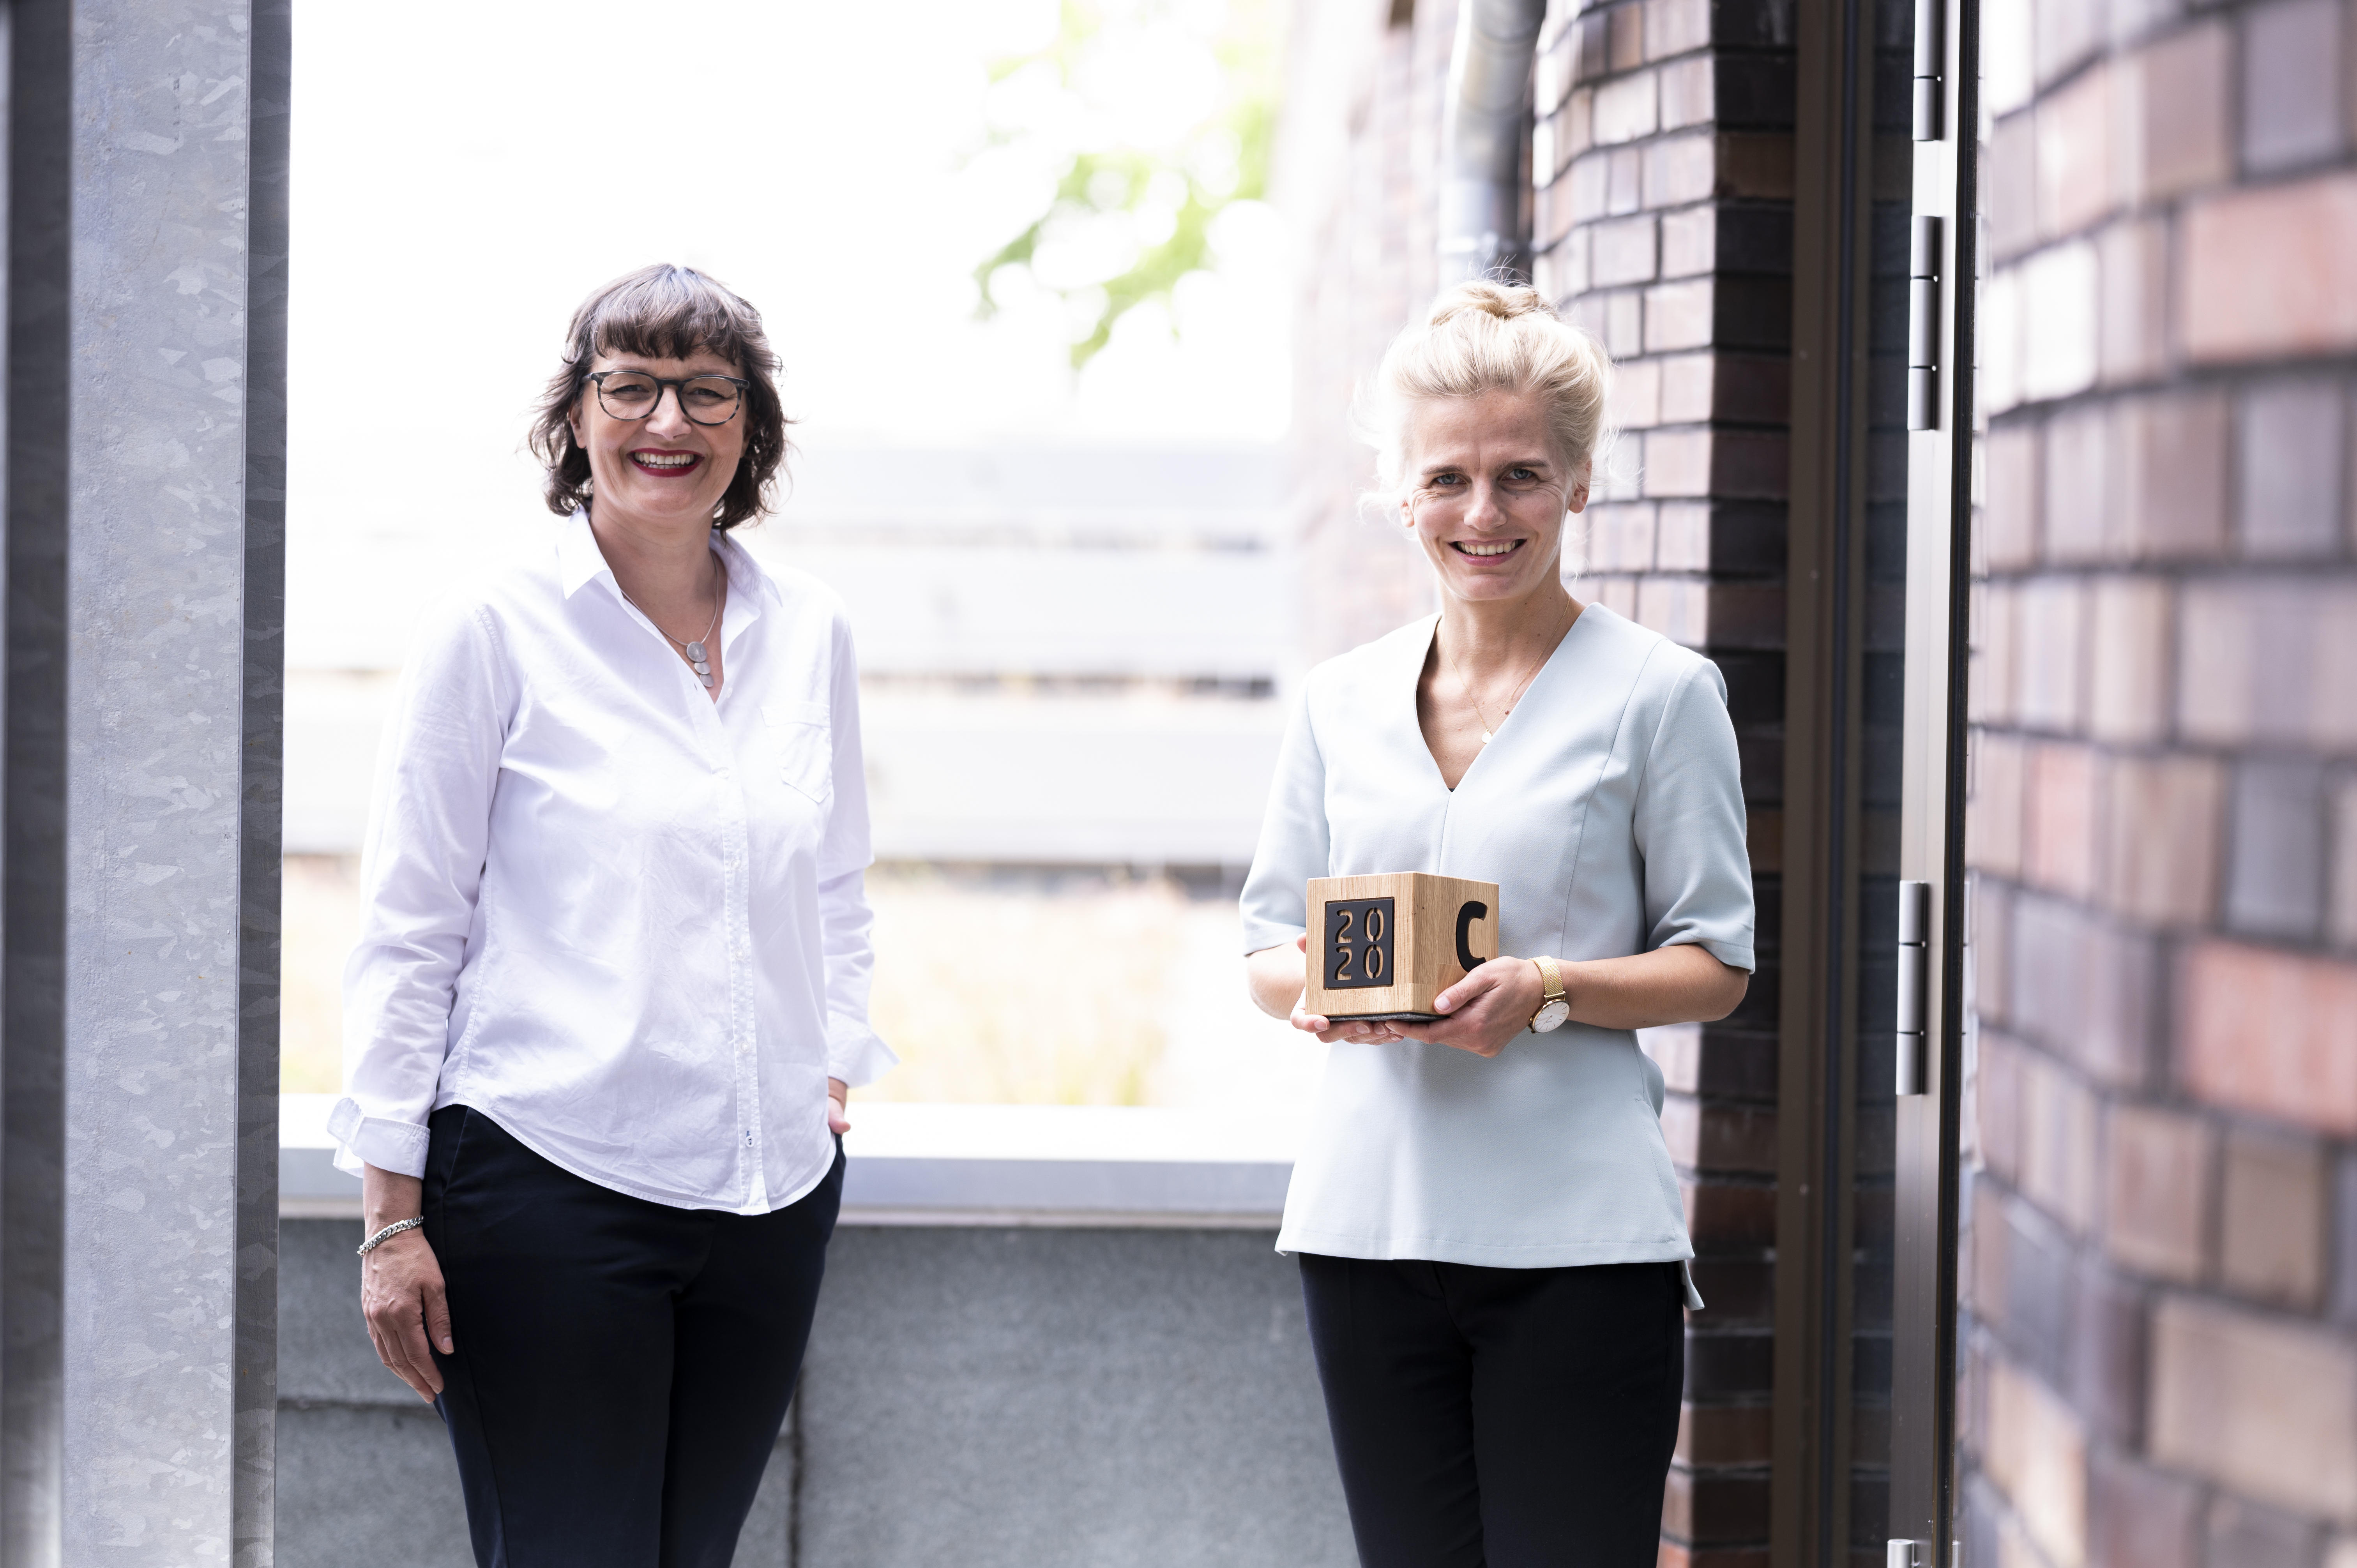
<point x="696" y="653"/>
<point x="1473" y="701"/>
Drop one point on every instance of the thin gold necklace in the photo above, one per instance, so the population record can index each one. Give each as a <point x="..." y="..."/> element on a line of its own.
<point x="695" y="652"/>
<point x="1465" y="687"/>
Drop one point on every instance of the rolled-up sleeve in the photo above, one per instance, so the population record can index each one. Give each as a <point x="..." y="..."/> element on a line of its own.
<point x="1296" y="841"/>
<point x="421" y="869"/>
<point x="1689" y="823"/>
<point x="855" y="1052"/>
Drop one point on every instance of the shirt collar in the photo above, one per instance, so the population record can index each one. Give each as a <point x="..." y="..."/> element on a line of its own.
<point x="579" y="561"/>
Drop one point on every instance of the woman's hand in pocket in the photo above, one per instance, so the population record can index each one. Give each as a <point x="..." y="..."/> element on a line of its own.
<point x="838" y="1107"/>
<point x="1490" y="1006"/>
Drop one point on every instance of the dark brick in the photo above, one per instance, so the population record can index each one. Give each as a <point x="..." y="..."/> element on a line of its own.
<point x="1714" y="1508"/>
<point x="2107" y="1352"/>
<point x="2138" y="1518"/>
<point x="2086" y="990"/>
<point x="1760" y="1002"/>
<point x="1754" y="92"/>
<point x="1768" y="938"/>
<point x="1877" y="1122"/>
<point x="1717" y="1435"/>
<point x="1871" y="1216"/>
<point x="1755" y="681"/>
<point x="1746" y="614"/>
<point x="1869" y="1434"/>
<point x="2275" y="880"/>
<point x="2292" y="68"/>
<point x="2287" y="501"/>
<point x="2343" y="1238"/>
<point x="1737" y="1290"/>
<point x="1870" y="1293"/>
<point x="1720" y="1136"/>
<point x="1983" y="1536"/>
<point x="1869" y="1360"/>
<point x="1749" y="312"/>
<point x="2272" y="1217"/>
<point x="2244" y="1535"/>
<point x="2038" y="1268"/>
<point x="1595" y="47"/>
<point x="1745" y="1556"/>
<point x="1878" y="1078"/>
<point x="1891" y="235"/>
<point x="1752" y="24"/>
<point x="1894" y="102"/>
<point x="1761" y="759"/>
<point x="1885" y="392"/>
<point x="1724" y="1216"/>
<point x="1869" y="1510"/>
<point x="1747" y="538"/>
<point x="1735" y="1064"/>
<point x="1729" y="237"/>
<point x="1721" y="1366"/>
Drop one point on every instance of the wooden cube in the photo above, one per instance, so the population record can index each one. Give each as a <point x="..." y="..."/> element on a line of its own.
<point x="1383" y="947"/>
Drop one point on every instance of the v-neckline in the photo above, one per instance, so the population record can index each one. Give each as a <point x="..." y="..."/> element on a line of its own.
<point x="1429" y="648"/>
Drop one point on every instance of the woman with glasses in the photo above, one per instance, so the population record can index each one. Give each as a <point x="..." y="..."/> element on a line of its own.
<point x="611" y="985"/>
<point x="1490" y="1233"/>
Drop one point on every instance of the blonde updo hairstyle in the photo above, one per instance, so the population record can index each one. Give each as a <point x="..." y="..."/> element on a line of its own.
<point x="1484" y="336"/>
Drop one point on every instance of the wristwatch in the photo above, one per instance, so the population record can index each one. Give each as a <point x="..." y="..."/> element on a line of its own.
<point x="1555" y="1008"/>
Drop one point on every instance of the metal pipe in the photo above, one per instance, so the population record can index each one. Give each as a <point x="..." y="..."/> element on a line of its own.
<point x="1485" y="128"/>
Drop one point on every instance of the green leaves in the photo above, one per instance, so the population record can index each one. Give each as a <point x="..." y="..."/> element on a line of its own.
<point x="1155" y="197"/>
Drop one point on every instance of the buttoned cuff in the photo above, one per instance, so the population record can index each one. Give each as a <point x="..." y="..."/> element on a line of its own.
<point x="395" y="1146"/>
<point x="856" y="1054"/>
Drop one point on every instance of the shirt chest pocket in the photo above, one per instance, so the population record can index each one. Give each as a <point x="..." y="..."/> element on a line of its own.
<point x="803" y="746"/>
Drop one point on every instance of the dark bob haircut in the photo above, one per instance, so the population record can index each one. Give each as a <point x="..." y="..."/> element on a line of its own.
<point x="666" y="312"/>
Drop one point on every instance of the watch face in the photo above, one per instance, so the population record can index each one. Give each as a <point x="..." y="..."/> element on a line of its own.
<point x="1550" y="1016"/>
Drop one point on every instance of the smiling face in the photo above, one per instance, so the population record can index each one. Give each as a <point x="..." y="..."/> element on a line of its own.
<point x="664" y="472"/>
<point x="1487" y="493"/>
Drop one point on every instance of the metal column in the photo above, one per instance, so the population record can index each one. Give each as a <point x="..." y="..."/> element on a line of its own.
<point x="145" y="434"/>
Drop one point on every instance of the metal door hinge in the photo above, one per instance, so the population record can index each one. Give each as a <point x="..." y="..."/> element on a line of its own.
<point x="1897" y="1553"/>
<point x="1924" y="326"/>
<point x="1931" y="44"/>
<point x="1914" y="948"/>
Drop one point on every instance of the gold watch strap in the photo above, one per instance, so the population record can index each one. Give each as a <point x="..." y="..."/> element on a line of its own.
<point x="1551" y="973"/>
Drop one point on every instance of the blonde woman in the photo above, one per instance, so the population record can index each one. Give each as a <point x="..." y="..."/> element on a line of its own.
<point x="1488" y="1226"/>
<point x="611" y="985"/>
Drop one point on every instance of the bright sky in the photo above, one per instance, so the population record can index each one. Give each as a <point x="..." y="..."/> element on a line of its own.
<point x="464" y="174"/>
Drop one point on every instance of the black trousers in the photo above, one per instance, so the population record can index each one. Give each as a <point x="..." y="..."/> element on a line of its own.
<point x="1500" y="1418"/>
<point x="623" y="1367"/>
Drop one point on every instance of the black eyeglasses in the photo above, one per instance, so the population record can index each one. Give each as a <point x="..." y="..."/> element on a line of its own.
<point x="634" y="394"/>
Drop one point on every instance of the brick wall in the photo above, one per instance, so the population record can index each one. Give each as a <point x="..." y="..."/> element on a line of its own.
<point x="1662" y="222"/>
<point x="2162" y="1265"/>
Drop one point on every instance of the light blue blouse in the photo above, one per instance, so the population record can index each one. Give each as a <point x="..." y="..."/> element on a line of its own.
<point x="1609" y="812"/>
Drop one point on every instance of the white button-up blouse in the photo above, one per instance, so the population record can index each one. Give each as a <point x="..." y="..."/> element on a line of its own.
<point x="622" y="920"/>
<point x="1609" y="812"/>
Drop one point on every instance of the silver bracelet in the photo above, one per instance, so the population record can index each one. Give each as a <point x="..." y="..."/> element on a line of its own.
<point x="389" y="1232"/>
